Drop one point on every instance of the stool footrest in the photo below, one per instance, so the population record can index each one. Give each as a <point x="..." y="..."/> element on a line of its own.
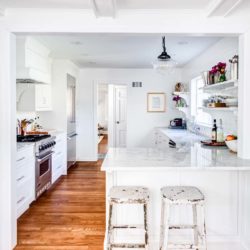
<point x="127" y="227"/>
<point x="180" y="227"/>
<point x="127" y="245"/>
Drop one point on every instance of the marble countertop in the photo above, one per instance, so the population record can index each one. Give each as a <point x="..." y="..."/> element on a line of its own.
<point x="189" y="157"/>
<point x="182" y="136"/>
<point x="24" y="145"/>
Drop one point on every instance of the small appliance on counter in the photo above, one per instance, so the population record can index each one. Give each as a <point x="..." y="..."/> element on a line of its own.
<point x="178" y="123"/>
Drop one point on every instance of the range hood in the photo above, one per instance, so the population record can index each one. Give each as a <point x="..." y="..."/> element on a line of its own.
<point x="33" y="63"/>
<point x="29" y="81"/>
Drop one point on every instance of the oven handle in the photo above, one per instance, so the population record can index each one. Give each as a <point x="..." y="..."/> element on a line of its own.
<point x="48" y="155"/>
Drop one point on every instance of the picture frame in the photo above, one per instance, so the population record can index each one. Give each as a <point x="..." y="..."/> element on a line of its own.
<point x="156" y="102"/>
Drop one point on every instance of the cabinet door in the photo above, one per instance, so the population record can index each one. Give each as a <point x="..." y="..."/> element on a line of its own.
<point x="43" y="98"/>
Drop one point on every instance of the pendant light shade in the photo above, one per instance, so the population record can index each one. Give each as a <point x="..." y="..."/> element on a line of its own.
<point x="164" y="60"/>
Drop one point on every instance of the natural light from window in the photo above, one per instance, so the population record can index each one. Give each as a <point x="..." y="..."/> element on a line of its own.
<point x="197" y="97"/>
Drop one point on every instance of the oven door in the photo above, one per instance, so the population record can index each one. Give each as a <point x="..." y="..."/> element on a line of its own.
<point x="43" y="173"/>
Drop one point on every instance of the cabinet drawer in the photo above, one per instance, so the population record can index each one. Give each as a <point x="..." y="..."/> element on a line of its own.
<point x="24" y="197"/>
<point x="58" y="153"/>
<point x="25" y="156"/>
<point x="57" y="163"/>
<point x="24" y="174"/>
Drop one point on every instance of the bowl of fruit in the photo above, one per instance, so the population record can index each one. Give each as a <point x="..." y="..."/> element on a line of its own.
<point x="231" y="142"/>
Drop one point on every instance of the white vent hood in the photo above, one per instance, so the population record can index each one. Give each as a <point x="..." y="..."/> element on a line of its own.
<point x="33" y="62"/>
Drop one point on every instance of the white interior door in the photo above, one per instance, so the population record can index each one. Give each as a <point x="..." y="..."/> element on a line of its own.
<point x="120" y="116"/>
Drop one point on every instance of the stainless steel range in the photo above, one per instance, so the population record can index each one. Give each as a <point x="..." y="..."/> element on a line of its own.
<point x="43" y="151"/>
<point x="44" y="145"/>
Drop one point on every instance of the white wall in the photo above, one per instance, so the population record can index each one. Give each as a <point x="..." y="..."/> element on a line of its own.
<point x="140" y="124"/>
<point x="7" y="141"/>
<point x="221" y="51"/>
<point x="57" y="118"/>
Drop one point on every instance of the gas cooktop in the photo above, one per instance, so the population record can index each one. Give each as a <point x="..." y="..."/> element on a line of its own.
<point x="31" y="138"/>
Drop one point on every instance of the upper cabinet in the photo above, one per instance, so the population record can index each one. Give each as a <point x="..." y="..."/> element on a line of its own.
<point x="33" y="97"/>
<point x="33" y="61"/>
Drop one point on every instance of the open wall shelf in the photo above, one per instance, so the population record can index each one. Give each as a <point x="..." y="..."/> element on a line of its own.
<point x="221" y="86"/>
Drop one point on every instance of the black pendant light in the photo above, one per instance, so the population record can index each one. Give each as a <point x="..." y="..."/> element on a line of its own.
<point x="164" y="60"/>
<point x="164" y="55"/>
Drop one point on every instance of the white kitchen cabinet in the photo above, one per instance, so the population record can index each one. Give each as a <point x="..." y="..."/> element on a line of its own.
<point x="25" y="178"/>
<point x="43" y="98"/>
<point x="59" y="158"/>
<point x="31" y="97"/>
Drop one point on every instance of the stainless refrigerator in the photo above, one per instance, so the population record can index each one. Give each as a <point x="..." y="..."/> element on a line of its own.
<point x="71" y="120"/>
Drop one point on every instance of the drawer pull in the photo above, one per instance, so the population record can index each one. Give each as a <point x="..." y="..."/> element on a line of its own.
<point x="22" y="199"/>
<point x="21" y="159"/>
<point x="20" y="178"/>
<point x="59" y="167"/>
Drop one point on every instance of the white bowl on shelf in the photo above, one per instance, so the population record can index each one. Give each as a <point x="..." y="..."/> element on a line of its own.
<point x="232" y="145"/>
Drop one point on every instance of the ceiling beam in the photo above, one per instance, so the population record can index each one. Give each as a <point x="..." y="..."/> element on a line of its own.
<point x="222" y="7"/>
<point x="104" y="8"/>
<point x="233" y="7"/>
<point x="213" y="6"/>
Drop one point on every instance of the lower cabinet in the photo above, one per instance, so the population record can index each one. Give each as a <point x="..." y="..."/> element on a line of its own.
<point x="25" y="179"/>
<point x="59" y="158"/>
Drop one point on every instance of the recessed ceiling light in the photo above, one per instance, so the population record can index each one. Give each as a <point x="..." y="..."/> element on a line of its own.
<point x="182" y="42"/>
<point x="76" y="43"/>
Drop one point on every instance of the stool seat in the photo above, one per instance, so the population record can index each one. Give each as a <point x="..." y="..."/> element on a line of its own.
<point x="182" y="194"/>
<point x="126" y="194"/>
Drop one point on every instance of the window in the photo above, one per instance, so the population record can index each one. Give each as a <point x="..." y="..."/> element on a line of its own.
<point x="197" y="97"/>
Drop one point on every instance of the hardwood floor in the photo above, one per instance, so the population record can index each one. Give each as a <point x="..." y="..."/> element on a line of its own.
<point x="71" y="216"/>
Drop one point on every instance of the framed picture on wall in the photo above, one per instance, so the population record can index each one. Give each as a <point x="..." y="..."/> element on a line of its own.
<point x="156" y="102"/>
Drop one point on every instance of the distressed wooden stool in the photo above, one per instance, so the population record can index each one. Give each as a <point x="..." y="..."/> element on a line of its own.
<point x="127" y="195"/>
<point x="178" y="195"/>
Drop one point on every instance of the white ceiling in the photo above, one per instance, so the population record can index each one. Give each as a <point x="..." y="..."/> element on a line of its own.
<point x="121" y="4"/>
<point x="111" y="8"/>
<point x="162" y="4"/>
<point x="71" y="4"/>
<point x="123" y="51"/>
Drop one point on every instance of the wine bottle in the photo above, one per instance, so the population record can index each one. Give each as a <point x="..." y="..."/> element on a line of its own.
<point x="214" y="132"/>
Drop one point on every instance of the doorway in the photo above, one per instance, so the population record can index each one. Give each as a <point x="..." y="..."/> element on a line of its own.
<point x="111" y="117"/>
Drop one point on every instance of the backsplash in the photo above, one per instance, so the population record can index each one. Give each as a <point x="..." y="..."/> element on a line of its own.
<point x="229" y="123"/>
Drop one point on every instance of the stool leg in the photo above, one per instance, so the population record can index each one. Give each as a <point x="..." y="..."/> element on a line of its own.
<point x="110" y="226"/>
<point x="165" y="215"/>
<point x="162" y="229"/>
<point x="204" y="227"/>
<point x="145" y="208"/>
<point x="196" y="235"/>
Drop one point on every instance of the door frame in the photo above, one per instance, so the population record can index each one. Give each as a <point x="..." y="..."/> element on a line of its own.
<point x="111" y="120"/>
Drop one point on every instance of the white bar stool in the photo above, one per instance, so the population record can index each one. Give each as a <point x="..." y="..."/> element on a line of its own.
<point x="128" y="195"/>
<point x="178" y="195"/>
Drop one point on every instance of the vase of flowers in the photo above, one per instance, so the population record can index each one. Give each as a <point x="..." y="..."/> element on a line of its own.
<point x="218" y="73"/>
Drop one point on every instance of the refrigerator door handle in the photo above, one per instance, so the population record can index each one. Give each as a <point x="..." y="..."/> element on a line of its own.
<point x="72" y="136"/>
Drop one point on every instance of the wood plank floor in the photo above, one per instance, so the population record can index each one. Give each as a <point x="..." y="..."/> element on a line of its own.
<point x="71" y="216"/>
